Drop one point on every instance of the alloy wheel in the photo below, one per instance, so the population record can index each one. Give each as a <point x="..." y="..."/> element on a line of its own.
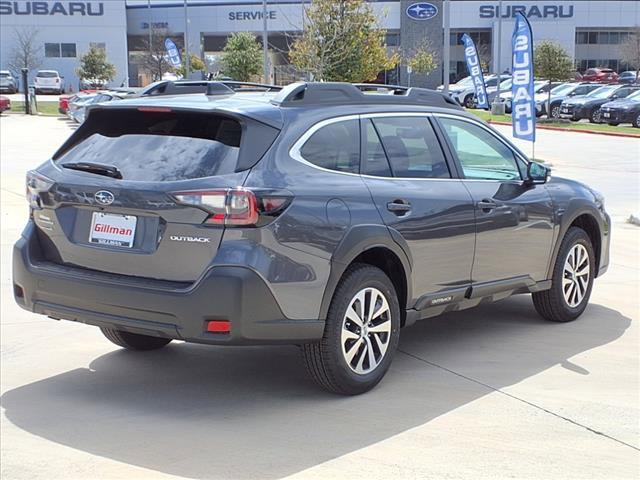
<point x="575" y="278"/>
<point x="366" y="330"/>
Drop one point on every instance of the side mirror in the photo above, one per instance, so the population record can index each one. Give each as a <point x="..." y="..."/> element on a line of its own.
<point x="537" y="173"/>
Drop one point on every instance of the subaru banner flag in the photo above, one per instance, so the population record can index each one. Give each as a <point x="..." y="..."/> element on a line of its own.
<point x="172" y="53"/>
<point x="523" y="110"/>
<point x="475" y="70"/>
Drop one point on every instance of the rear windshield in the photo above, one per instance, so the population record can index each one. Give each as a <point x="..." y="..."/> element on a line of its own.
<point x="47" y="74"/>
<point x="5" y="74"/>
<point x="158" y="146"/>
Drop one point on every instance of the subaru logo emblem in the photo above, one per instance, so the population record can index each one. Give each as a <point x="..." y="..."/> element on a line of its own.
<point x="104" y="197"/>
<point x="422" y="11"/>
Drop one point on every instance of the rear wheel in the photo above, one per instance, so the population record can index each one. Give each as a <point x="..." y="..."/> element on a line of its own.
<point x="572" y="280"/>
<point x="134" y="341"/>
<point x="468" y="101"/>
<point x="361" y="333"/>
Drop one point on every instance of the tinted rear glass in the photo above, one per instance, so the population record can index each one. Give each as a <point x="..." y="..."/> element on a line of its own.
<point x="47" y="74"/>
<point x="158" y="146"/>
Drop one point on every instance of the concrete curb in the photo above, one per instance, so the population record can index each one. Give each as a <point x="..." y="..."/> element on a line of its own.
<point x="560" y="129"/>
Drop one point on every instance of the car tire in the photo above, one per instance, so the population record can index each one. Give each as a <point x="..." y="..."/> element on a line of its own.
<point x="468" y="101"/>
<point x="570" y="290"/>
<point x="555" y="111"/>
<point x="333" y="363"/>
<point x="636" y="121"/>
<point x="595" y="116"/>
<point x="134" y="341"/>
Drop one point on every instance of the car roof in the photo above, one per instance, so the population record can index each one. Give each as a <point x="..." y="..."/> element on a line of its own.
<point x="323" y="99"/>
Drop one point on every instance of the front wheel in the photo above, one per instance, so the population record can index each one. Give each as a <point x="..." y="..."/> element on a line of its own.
<point x="636" y="121"/>
<point x="361" y="333"/>
<point x="555" y="111"/>
<point x="133" y="341"/>
<point x="572" y="280"/>
<point x="595" y="116"/>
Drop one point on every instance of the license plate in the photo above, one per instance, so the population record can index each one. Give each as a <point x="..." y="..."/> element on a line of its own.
<point x="565" y="110"/>
<point x="114" y="230"/>
<point x="606" y="114"/>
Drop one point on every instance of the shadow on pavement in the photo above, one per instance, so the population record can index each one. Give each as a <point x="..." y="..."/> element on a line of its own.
<point x="231" y="412"/>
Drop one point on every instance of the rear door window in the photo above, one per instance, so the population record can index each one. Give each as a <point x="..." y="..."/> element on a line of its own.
<point x="158" y="146"/>
<point x="335" y="147"/>
<point x="411" y="147"/>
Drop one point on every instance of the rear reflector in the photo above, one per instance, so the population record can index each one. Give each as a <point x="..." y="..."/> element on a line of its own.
<point x="154" y="109"/>
<point x="219" y="326"/>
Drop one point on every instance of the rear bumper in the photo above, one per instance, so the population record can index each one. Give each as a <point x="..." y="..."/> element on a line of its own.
<point x="158" y="308"/>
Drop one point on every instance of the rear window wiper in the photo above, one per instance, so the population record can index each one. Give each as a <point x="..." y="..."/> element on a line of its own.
<point x="97" y="168"/>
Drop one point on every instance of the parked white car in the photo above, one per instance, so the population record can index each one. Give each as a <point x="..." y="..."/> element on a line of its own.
<point x="49" y="81"/>
<point x="464" y="91"/>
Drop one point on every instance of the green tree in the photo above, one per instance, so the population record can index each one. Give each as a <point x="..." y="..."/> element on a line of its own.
<point x="552" y="62"/>
<point x="95" y="68"/>
<point x="342" y="41"/>
<point x="195" y="64"/>
<point x="242" y="57"/>
<point x="423" y="59"/>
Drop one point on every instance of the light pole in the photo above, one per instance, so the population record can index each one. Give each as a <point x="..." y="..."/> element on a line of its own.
<point x="187" y="63"/>
<point x="265" y="39"/>
<point x="447" y="47"/>
<point x="497" y="107"/>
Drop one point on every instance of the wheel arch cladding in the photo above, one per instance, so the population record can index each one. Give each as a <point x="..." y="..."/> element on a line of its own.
<point x="588" y="223"/>
<point x="372" y="245"/>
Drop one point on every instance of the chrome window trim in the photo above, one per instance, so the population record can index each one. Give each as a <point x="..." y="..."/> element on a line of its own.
<point x="294" y="151"/>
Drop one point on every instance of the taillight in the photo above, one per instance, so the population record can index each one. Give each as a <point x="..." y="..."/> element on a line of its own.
<point x="235" y="206"/>
<point x="36" y="185"/>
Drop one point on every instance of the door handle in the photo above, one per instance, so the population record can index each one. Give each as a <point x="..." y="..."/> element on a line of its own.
<point x="399" y="207"/>
<point x="486" y="205"/>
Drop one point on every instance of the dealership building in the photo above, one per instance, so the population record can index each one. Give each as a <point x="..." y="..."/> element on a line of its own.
<point x="590" y="31"/>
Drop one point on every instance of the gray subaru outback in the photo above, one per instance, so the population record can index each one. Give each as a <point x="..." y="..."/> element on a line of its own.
<point x="326" y="215"/>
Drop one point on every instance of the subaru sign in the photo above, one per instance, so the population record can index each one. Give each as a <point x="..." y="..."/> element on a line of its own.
<point x="534" y="11"/>
<point x="475" y="70"/>
<point x="94" y="9"/>
<point x="523" y="110"/>
<point x="172" y="53"/>
<point x="422" y="11"/>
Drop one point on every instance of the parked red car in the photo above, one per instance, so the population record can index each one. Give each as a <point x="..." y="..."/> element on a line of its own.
<point x="5" y="104"/>
<point x="63" y="101"/>
<point x="601" y="75"/>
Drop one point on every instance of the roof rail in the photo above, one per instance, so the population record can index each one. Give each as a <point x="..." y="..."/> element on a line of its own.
<point x="336" y="93"/>
<point x="250" y="86"/>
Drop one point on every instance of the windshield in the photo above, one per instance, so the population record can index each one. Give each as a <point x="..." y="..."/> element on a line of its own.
<point x="602" y="92"/>
<point x="465" y="81"/>
<point x="5" y="74"/>
<point x="47" y="74"/>
<point x="562" y="89"/>
<point x="635" y="95"/>
<point x="159" y="146"/>
<point x="505" y="84"/>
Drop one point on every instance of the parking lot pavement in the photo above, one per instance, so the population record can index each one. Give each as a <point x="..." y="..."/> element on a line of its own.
<point x="494" y="392"/>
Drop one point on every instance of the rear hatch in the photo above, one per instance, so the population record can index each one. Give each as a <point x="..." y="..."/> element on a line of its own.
<point x="48" y="79"/>
<point x="122" y="195"/>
